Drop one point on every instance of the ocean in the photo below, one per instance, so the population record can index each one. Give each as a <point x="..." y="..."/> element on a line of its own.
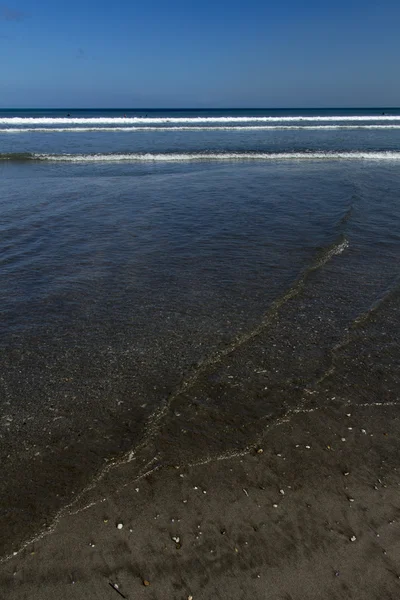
<point x="175" y="281"/>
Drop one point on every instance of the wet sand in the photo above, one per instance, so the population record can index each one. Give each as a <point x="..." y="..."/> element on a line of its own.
<point x="311" y="512"/>
<point x="271" y="472"/>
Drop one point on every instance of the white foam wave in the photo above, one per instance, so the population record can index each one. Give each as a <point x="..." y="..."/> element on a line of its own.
<point x="195" y="128"/>
<point x="149" y="157"/>
<point x="341" y="247"/>
<point x="177" y="120"/>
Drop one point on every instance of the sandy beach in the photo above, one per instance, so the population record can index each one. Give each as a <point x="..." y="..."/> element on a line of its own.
<point x="311" y="512"/>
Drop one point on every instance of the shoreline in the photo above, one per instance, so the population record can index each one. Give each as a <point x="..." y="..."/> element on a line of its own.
<point x="238" y="402"/>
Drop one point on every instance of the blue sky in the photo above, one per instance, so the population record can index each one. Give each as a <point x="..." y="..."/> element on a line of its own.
<point x="199" y="54"/>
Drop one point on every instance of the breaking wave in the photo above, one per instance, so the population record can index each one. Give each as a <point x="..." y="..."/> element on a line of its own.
<point x="200" y="156"/>
<point x="194" y="128"/>
<point x="189" y="120"/>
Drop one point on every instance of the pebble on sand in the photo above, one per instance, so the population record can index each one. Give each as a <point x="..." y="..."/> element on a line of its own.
<point x="146" y="583"/>
<point x="353" y="538"/>
<point x="120" y="525"/>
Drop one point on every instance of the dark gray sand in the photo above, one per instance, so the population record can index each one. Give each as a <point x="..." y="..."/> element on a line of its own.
<point x="313" y="512"/>
<point x="304" y="505"/>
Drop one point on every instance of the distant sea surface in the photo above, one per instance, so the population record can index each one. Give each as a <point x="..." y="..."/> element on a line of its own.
<point x="140" y="250"/>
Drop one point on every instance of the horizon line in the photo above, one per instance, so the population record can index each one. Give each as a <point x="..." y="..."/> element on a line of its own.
<point x="143" y="108"/>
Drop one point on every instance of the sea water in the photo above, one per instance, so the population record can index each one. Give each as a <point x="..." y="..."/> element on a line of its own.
<point x="145" y="254"/>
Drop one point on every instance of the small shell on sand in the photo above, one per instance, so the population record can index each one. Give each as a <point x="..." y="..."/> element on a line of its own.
<point x="353" y="538"/>
<point x="120" y="525"/>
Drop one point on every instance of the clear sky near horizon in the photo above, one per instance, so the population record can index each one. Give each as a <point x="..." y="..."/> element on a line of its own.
<point x="179" y="53"/>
